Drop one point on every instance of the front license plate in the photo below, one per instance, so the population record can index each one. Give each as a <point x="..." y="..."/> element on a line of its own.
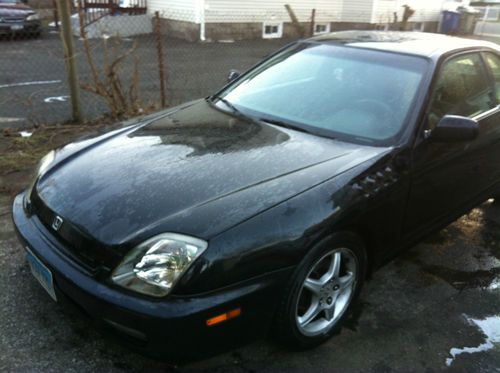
<point x="41" y="273"/>
<point x="16" y="27"/>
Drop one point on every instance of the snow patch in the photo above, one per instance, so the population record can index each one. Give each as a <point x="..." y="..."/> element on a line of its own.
<point x="490" y="327"/>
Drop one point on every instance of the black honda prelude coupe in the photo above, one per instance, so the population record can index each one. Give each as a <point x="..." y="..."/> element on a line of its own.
<point x="265" y="206"/>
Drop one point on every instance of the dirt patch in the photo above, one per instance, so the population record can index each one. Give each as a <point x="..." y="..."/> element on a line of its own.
<point x="19" y="155"/>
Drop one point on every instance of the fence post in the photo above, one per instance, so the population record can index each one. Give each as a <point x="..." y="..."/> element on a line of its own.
<point x="56" y="17"/>
<point x="313" y="22"/>
<point x="69" y="57"/>
<point x="161" y="64"/>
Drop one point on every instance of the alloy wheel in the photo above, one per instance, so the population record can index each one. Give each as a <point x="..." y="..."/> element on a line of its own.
<point x="326" y="292"/>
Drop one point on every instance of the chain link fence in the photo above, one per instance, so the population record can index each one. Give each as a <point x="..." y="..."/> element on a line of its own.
<point x="121" y="57"/>
<point x="134" y="57"/>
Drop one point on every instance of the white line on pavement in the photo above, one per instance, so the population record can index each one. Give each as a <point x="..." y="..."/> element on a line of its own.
<point x="30" y="83"/>
<point x="9" y="120"/>
<point x="50" y="100"/>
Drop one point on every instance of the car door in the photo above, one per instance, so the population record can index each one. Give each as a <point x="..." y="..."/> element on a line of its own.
<point x="491" y="126"/>
<point x="448" y="177"/>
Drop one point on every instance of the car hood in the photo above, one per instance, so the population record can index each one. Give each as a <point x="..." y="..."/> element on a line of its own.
<point x="195" y="171"/>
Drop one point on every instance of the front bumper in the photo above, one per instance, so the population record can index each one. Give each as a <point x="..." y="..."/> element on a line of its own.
<point x="173" y="328"/>
<point x="25" y="27"/>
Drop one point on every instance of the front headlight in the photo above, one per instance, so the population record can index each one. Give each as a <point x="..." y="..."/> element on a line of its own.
<point x="154" y="267"/>
<point x="43" y="165"/>
<point x="33" y="17"/>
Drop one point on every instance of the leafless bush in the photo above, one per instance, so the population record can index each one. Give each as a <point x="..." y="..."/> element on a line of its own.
<point x="121" y="99"/>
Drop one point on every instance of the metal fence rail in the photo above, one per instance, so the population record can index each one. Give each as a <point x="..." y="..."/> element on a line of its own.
<point x="94" y="10"/>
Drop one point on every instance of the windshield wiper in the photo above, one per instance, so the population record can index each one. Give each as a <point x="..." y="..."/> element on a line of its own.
<point x="282" y="123"/>
<point x="231" y="106"/>
<point x="242" y="115"/>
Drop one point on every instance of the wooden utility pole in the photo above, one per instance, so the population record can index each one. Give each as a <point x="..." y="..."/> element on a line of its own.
<point x="69" y="58"/>
<point x="161" y="63"/>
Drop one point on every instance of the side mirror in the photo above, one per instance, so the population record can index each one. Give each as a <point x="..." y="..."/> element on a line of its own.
<point x="454" y="128"/>
<point x="233" y="74"/>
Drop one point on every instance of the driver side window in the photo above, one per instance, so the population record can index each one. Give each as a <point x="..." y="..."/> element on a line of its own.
<point x="462" y="89"/>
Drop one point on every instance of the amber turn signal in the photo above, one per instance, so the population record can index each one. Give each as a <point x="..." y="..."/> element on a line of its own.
<point x="224" y="317"/>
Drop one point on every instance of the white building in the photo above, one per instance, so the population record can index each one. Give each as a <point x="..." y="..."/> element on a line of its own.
<point x="250" y="19"/>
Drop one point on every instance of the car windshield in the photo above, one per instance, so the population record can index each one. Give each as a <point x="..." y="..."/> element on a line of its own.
<point x="349" y="93"/>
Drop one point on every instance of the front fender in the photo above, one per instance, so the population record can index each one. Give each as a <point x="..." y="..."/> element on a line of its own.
<point x="280" y="237"/>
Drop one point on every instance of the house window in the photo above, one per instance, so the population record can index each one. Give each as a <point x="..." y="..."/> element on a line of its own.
<point x="272" y="30"/>
<point x="321" y="28"/>
<point x="419" y="26"/>
<point x="488" y="13"/>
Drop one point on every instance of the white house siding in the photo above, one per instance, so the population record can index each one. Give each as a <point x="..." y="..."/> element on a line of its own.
<point x="357" y="11"/>
<point x="243" y="11"/>
<point x="383" y="11"/>
<point x="425" y="10"/>
<point x="180" y="10"/>
<point x="210" y="19"/>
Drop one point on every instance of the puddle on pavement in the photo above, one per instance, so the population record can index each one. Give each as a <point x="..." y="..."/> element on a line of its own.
<point x="479" y="230"/>
<point x="490" y="327"/>
<point x="459" y="279"/>
<point x="462" y="280"/>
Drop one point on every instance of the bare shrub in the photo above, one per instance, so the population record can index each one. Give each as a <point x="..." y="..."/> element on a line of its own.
<point x="121" y="99"/>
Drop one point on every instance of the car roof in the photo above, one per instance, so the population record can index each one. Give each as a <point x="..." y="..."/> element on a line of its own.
<point x="416" y="43"/>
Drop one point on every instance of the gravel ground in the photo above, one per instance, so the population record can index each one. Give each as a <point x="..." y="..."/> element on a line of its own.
<point x="416" y="314"/>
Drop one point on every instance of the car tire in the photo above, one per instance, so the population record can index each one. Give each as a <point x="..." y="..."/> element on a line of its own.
<point x="329" y="263"/>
